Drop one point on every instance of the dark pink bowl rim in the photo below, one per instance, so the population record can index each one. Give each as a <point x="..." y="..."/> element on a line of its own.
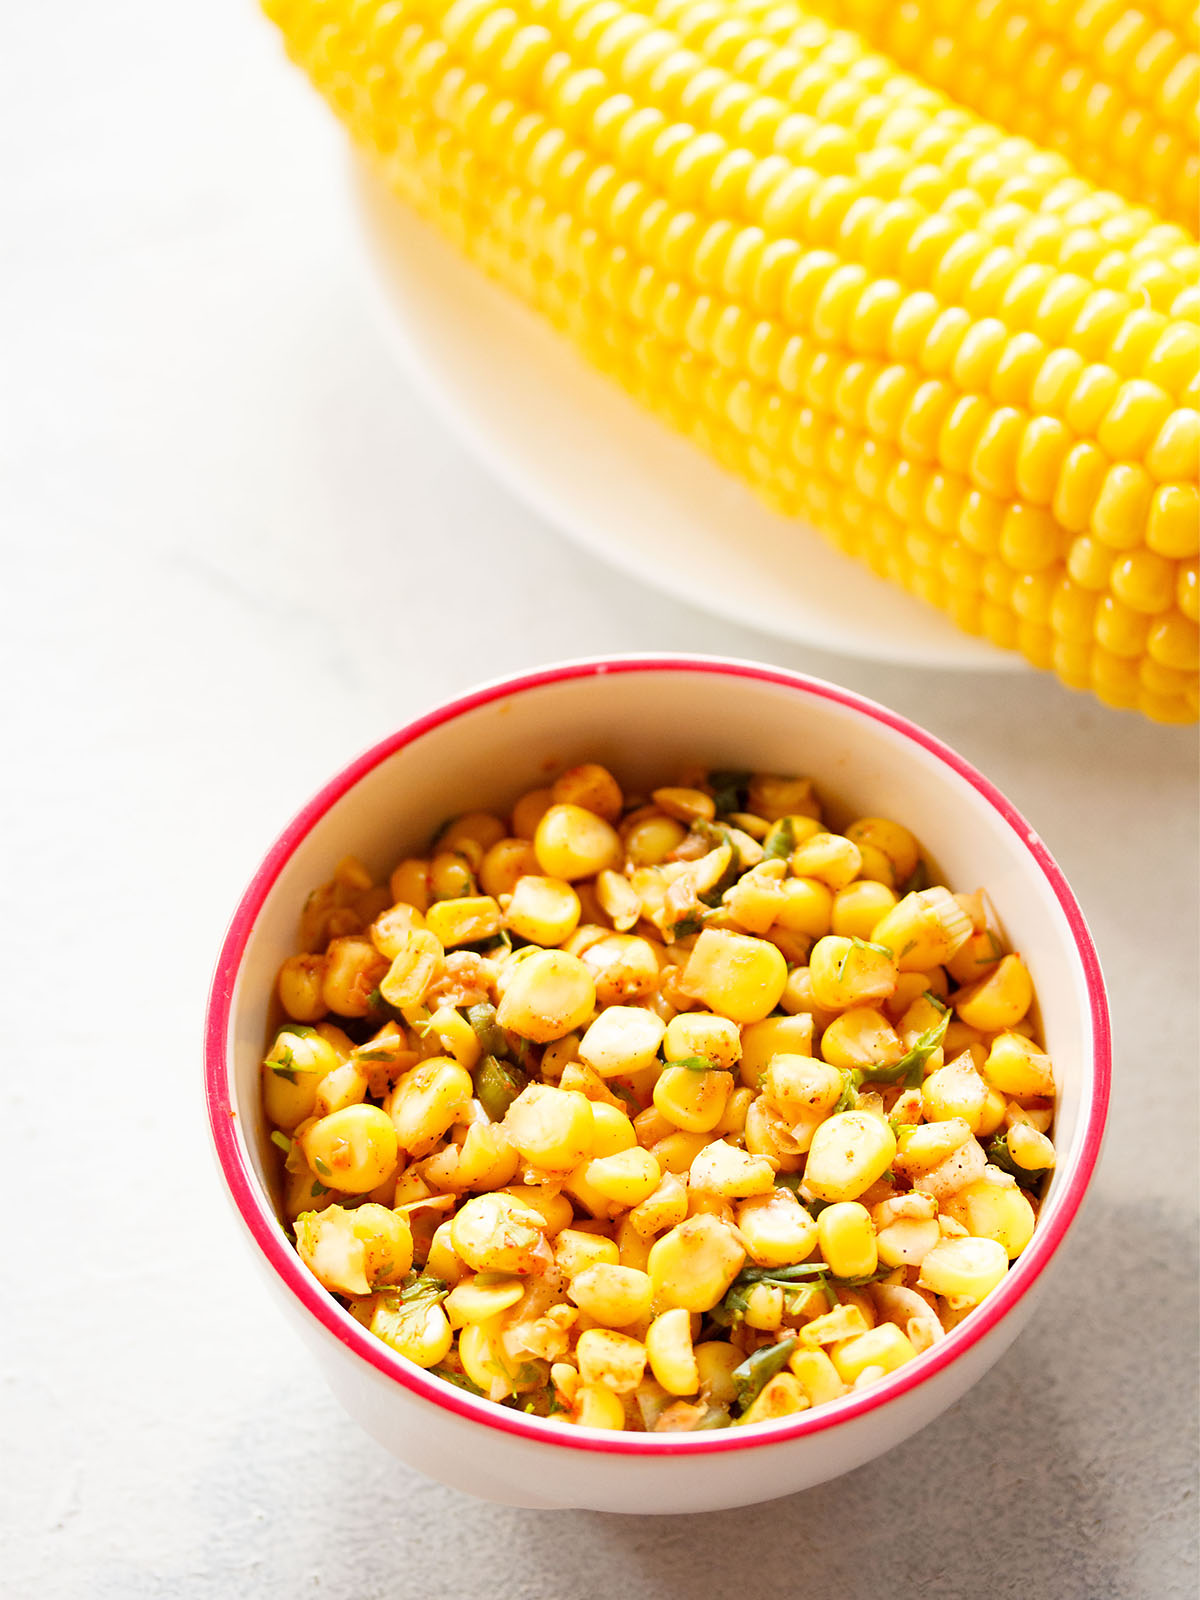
<point x="255" y="1209"/>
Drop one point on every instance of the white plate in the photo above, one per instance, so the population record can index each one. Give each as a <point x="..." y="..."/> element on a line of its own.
<point x="569" y="443"/>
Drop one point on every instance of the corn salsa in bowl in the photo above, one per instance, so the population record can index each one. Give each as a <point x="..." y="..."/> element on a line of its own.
<point x="662" y="1111"/>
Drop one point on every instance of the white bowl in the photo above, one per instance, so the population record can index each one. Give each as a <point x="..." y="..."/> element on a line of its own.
<point x="645" y="716"/>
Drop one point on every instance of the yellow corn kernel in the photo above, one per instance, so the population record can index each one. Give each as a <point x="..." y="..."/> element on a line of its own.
<point x="663" y="1209"/>
<point x="609" y="1360"/>
<point x="894" y="843"/>
<point x="443" y="1261"/>
<point x="671" y="1353"/>
<point x="685" y="805"/>
<point x="757" y="897"/>
<point x="543" y="910"/>
<point x="849" y="1152"/>
<point x="976" y="957"/>
<point x="830" y="858"/>
<point x="505" y="864"/>
<point x="480" y="828"/>
<point x="924" y="930"/>
<point x="693" y="1101"/>
<point x="622" y="966"/>
<point x="847" y="1238"/>
<point x="806" y="907"/>
<point x="427" y="1101"/>
<point x="733" y="1118"/>
<point x="801" y="1087"/>
<point x="299" y="986"/>
<point x="723" y="1169"/>
<point x="576" y="1251"/>
<point x="456" y="1035"/>
<point x="816" y="1375"/>
<point x="994" y="1107"/>
<point x="417" y="962"/>
<point x="694" y="1264"/>
<point x="772" y="796"/>
<point x="626" y="1178"/>
<point x="529" y="811"/>
<point x="452" y="873"/>
<point x="354" y="1150"/>
<point x="956" y="1091"/>
<point x="622" y="1040"/>
<point x="553" y="1208"/>
<point x="999" y="1000"/>
<point x="962" y="1166"/>
<point x="861" y="1037"/>
<point x="482" y="1359"/>
<point x="552" y="1128"/>
<point x="409" y="884"/>
<point x="907" y="1241"/>
<point x="571" y="843"/>
<point x="715" y="1363"/>
<point x="390" y="929"/>
<point x="464" y="921"/>
<point x="582" y="1194"/>
<point x="618" y="900"/>
<point x="776" y="1229"/>
<point x="611" y="1129"/>
<point x="293" y="1070"/>
<point x="353" y="1252"/>
<point x="549" y="994"/>
<point x="964" y="1270"/>
<point x="769" y="1132"/>
<point x="591" y="786"/>
<point x="632" y="1247"/>
<point x="421" y="1332"/>
<point x="558" y="1055"/>
<point x="344" y="1086"/>
<point x="1030" y="1149"/>
<point x="597" y="1406"/>
<point x="737" y="976"/>
<point x="487" y="1159"/>
<point x="677" y="1151"/>
<point x="844" y="973"/>
<point x="651" y="839"/>
<point x="764" y="1307"/>
<point x="497" y="1233"/>
<point x="774" y="1036"/>
<point x="781" y="1396"/>
<point x="613" y="1295"/>
<point x="798" y="1000"/>
<point x="995" y="1208"/>
<point x="845" y="1321"/>
<point x="354" y="969"/>
<point x="473" y="1301"/>
<point x="883" y="1346"/>
<point x="1015" y="1065"/>
<point x="858" y="907"/>
<point x="700" y="1034"/>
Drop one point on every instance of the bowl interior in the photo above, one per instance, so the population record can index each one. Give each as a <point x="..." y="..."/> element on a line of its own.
<point x="645" y="720"/>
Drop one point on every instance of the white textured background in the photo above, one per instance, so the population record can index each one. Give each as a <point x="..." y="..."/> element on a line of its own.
<point x="235" y="550"/>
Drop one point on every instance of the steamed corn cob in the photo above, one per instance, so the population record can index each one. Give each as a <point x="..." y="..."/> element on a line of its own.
<point x="932" y="339"/>
<point x="1114" y="86"/>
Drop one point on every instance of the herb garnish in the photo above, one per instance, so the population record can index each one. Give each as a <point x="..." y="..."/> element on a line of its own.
<point x="910" y="1069"/>
<point x="731" y="789"/>
<point x="753" y="1375"/>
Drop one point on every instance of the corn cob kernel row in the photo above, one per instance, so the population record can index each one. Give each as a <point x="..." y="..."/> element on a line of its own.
<point x="949" y="546"/>
<point x="826" y="73"/>
<point x="1113" y="86"/>
<point x="982" y="181"/>
<point x="918" y="429"/>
